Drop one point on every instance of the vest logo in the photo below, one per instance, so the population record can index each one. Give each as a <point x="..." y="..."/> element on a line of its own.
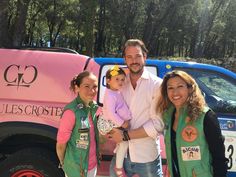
<point x="191" y="153"/>
<point x="189" y="133"/>
<point x="18" y="76"/>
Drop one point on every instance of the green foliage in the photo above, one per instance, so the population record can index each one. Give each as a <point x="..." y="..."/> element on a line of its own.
<point x="185" y="28"/>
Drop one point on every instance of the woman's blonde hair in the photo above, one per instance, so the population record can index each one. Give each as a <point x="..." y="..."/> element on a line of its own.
<point x="195" y="102"/>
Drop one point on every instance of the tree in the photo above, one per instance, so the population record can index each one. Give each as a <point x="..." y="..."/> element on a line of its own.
<point x="100" y="38"/>
<point x="195" y="28"/>
<point x="4" y="35"/>
<point x="88" y="9"/>
<point x="19" y="22"/>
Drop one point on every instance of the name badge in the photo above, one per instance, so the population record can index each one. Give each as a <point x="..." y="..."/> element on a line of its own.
<point x="83" y="141"/>
<point x="191" y="153"/>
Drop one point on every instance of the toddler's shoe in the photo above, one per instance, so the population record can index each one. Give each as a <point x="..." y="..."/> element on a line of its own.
<point x="120" y="172"/>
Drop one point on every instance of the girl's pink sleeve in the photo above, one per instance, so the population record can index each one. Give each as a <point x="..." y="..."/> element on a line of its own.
<point x="67" y="123"/>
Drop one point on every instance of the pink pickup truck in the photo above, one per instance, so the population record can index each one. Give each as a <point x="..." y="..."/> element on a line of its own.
<point x="34" y="89"/>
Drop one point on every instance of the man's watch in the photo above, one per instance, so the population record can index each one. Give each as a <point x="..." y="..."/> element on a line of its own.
<point x="125" y="135"/>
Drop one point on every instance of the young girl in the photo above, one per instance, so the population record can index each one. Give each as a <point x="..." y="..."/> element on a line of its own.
<point x="116" y="113"/>
<point x="77" y="136"/>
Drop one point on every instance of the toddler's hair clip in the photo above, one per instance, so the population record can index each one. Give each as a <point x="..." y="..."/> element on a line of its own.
<point x="114" y="70"/>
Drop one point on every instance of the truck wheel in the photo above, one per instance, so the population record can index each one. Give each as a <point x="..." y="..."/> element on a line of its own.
<point x="30" y="163"/>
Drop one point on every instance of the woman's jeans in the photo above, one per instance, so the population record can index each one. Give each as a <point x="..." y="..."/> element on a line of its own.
<point x="150" y="169"/>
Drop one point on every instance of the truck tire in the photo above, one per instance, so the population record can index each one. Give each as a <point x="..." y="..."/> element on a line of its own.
<point x="30" y="162"/>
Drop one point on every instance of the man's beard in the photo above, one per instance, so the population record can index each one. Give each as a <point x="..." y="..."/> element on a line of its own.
<point x="137" y="71"/>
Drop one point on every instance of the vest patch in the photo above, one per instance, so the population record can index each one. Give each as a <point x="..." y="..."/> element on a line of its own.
<point x="191" y="153"/>
<point x="189" y="133"/>
<point x="83" y="142"/>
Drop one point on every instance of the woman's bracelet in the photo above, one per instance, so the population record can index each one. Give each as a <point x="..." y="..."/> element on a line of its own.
<point x="125" y="135"/>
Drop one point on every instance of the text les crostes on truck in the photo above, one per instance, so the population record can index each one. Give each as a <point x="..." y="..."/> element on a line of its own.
<point x="35" y="87"/>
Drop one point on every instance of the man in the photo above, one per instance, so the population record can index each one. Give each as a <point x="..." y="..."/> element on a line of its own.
<point x="143" y="156"/>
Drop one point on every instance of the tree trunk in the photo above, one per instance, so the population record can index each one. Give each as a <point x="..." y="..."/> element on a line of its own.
<point x="20" y="21"/>
<point x="149" y="24"/>
<point x="4" y="35"/>
<point x="90" y="9"/>
<point x="100" y="38"/>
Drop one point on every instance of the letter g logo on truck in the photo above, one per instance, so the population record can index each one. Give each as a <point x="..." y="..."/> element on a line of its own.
<point x="20" y="76"/>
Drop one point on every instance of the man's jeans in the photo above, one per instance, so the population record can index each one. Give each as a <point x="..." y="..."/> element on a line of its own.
<point x="150" y="169"/>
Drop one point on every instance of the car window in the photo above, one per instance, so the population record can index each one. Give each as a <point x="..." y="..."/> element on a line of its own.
<point x="219" y="90"/>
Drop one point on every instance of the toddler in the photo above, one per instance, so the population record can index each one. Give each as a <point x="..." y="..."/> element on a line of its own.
<point x="115" y="113"/>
